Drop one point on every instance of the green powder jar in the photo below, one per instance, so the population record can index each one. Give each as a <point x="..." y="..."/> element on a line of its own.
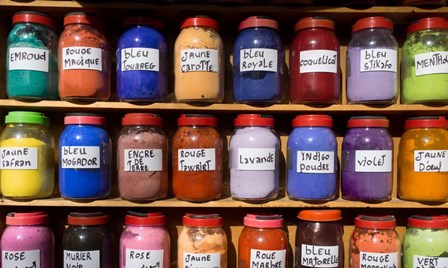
<point x="424" y="62"/>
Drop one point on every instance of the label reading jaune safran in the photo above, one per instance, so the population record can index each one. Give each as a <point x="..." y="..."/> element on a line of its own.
<point x="268" y="258"/>
<point x="431" y="160"/>
<point x="315" y="162"/>
<point x="19" y="158"/>
<point x="199" y="60"/>
<point x="21" y="259"/>
<point x="196" y="159"/>
<point x="207" y="260"/>
<point x="81" y="157"/>
<point x="139" y="59"/>
<point x="136" y="160"/>
<point x="84" y="259"/>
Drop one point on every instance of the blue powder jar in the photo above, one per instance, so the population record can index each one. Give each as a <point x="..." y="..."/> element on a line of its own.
<point x="312" y="159"/>
<point x="32" y="59"/>
<point x="84" y="158"/>
<point x="141" y="61"/>
<point x="258" y="62"/>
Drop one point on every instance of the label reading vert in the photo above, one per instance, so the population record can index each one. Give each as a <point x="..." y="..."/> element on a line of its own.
<point x="196" y="159"/>
<point x="210" y="260"/>
<point x="431" y="63"/>
<point x="318" y="61"/>
<point x="26" y="58"/>
<point x="144" y="258"/>
<point x="81" y="58"/>
<point x="20" y="158"/>
<point x="258" y="59"/>
<point x="431" y="160"/>
<point x="383" y="260"/>
<point x="268" y="258"/>
<point x="139" y="59"/>
<point x="374" y="60"/>
<point x="80" y="157"/>
<point x="84" y="259"/>
<point x="429" y="262"/>
<point x="256" y="159"/>
<point x="136" y="160"/>
<point x="319" y="256"/>
<point x="373" y="161"/>
<point x="199" y="60"/>
<point x="315" y="162"/>
<point x="21" y="259"/>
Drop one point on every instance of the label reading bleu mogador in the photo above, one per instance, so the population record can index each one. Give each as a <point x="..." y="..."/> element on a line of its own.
<point x="81" y="157"/>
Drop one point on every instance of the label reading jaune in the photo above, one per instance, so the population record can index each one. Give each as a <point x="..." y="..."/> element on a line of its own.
<point x="210" y="260"/>
<point x="431" y="160"/>
<point x="199" y="60"/>
<point x="19" y="158"/>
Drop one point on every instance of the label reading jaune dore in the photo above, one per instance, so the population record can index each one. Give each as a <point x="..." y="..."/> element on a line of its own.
<point x="315" y="162"/>
<point x="139" y="59"/>
<point x="84" y="259"/>
<point x="258" y="59"/>
<point x="199" y="60"/>
<point x="136" y="160"/>
<point x="318" y="61"/>
<point x="18" y="158"/>
<point x="268" y="258"/>
<point x="256" y="159"/>
<point x="80" y="157"/>
<point x="21" y="259"/>
<point x="25" y="58"/>
<point x="431" y="160"/>
<point x="378" y="60"/>
<point x="431" y="63"/>
<point x="144" y="258"/>
<point x="429" y="262"/>
<point x="81" y="58"/>
<point x="196" y="159"/>
<point x="383" y="260"/>
<point x="210" y="260"/>
<point x="319" y="256"/>
<point x="373" y="161"/>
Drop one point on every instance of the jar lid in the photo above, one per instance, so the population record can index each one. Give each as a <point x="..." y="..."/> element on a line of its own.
<point x="33" y="17"/>
<point x="314" y="22"/>
<point x="199" y="21"/>
<point x="243" y="120"/>
<point x="26" y="218"/>
<point x="202" y="220"/>
<point x="375" y="222"/>
<point x="146" y="21"/>
<point x="263" y="221"/>
<point x="312" y="120"/>
<point x="84" y="118"/>
<point x="90" y="218"/>
<point x="144" y="219"/>
<point x="141" y="119"/>
<point x="258" y="21"/>
<point x="372" y="22"/>
<point x="426" y="122"/>
<point x="435" y="222"/>
<point x="320" y="215"/>
<point x="197" y="120"/>
<point x="27" y="118"/>
<point x="368" y="121"/>
<point x="428" y="23"/>
<point x="81" y="18"/>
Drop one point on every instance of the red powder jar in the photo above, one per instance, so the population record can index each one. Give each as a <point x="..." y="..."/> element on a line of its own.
<point x="315" y="76"/>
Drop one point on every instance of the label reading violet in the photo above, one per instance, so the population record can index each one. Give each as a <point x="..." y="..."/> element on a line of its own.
<point x="18" y="158"/>
<point x="210" y="260"/>
<point x="139" y="59"/>
<point x="374" y="60"/>
<point x="431" y="160"/>
<point x="196" y="159"/>
<point x="258" y="59"/>
<point x="373" y="161"/>
<point x="256" y="159"/>
<point x="318" y="61"/>
<point x="199" y="60"/>
<point x="81" y="58"/>
<point x="25" y="58"/>
<point x="21" y="259"/>
<point x="315" y="162"/>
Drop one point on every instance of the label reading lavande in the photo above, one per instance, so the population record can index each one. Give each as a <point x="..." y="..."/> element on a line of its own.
<point x="18" y="158"/>
<point x="196" y="159"/>
<point x="26" y="58"/>
<point x="258" y="59"/>
<point x="84" y="259"/>
<point x="315" y="162"/>
<point x="319" y="256"/>
<point x="136" y="160"/>
<point x="256" y="159"/>
<point x="80" y="157"/>
<point x="21" y="259"/>
<point x="209" y="260"/>
<point x="139" y="59"/>
<point x="199" y="60"/>
<point x="268" y="258"/>
<point x="431" y="160"/>
<point x="144" y="258"/>
<point x="82" y="58"/>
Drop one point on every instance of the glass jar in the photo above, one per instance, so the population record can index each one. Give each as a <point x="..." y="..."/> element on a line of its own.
<point x="424" y="242"/>
<point x="319" y="239"/>
<point x="258" y="62"/>
<point x="374" y="242"/>
<point x="254" y="152"/>
<point x="142" y="156"/>
<point x="84" y="59"/>
<point x="27" y="241"/>
<point x="197" y="158"/>
<point x="202" y="242"/>
<point x="84" y="158"/>
<point x="32" y="57"/>
<point x="142" y="61"/>
<point x="262" y="241"/>
<point x="312" y="159"/>
<point x="423" y="160"/>
<point x="424" y="62"/>
<point x="145" y="241"/>
<point x="315" y="75"/>
<point x="199" y="61"/>
<point x="28" y="156"/>
<point x="87" y="241"/>
<point x="367" y="159"/>
<point x="372" y="62"/>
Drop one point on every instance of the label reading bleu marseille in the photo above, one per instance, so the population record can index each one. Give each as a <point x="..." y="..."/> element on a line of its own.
<point x="142" y="160"/>
<point x="267" y="258"/>
<point x="199" y="60"/>
<point x="431" y="63"/>
<point x="139" y="59"/>
<point x="21" y="259"/>
<point x="383" y="260"/>
<point x="373" y="161"/>
<point x="25" y="58"/>
<point x="81" y="58"/>
<point x="256" y="159"/>
<point x="80" y="157"/>
<point x="144" y="258"/>
<point x="315" y="162"/>
<point x="18" y="158"/>
<point x="429" y="262"/>
<point x="210" y="260"/>
<point x="374" y="60"/>
<point x="258" y="59"/>
<point x="319" y="256"/>
<point x="431" y="160"/>
<point x="318" y="61"/>
<point x="196" y="159"/>
<point x="81" y="259"/>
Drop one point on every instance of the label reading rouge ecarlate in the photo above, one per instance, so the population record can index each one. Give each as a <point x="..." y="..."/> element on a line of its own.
<point x="199" y="60"/>
<point x="210" y="260"/>
<point x="258" y="59"/>
<point x="196" y="159"/>
<point x="21" y="259"/>
<point x="25" y="58"/>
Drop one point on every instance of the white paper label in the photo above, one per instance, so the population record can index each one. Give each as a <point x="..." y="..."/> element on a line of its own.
<point x="258" y="59"/>
<point x="18" y="158"/>
<point x="25" y="58"/>
<point x="199" y="60"/>
<point x="210" y="260"/>
<point x="373" y="161"/>
<point x="268" y="258"/>
<point x="373" y="60"/>
<point x="84" y="259"/>
<point x="80" y="157"/>
<point x="319" y="256"/>
<point x="256" y="159"/>
<point x="429" y="262"/>
<point x="144" y="258"/>
<point x="139" y="59"/>
<point x="142" y="160"/>
<point x="315" y="162"/>
<point x="318" y="61"/>
<point x="81" y="58"/>
<point x="196" y="159"/>
<point x="21" y="259"/>
<point x="431" y="63"/>
<point x="383" y="260"/>
<point x="431" y="161"/>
